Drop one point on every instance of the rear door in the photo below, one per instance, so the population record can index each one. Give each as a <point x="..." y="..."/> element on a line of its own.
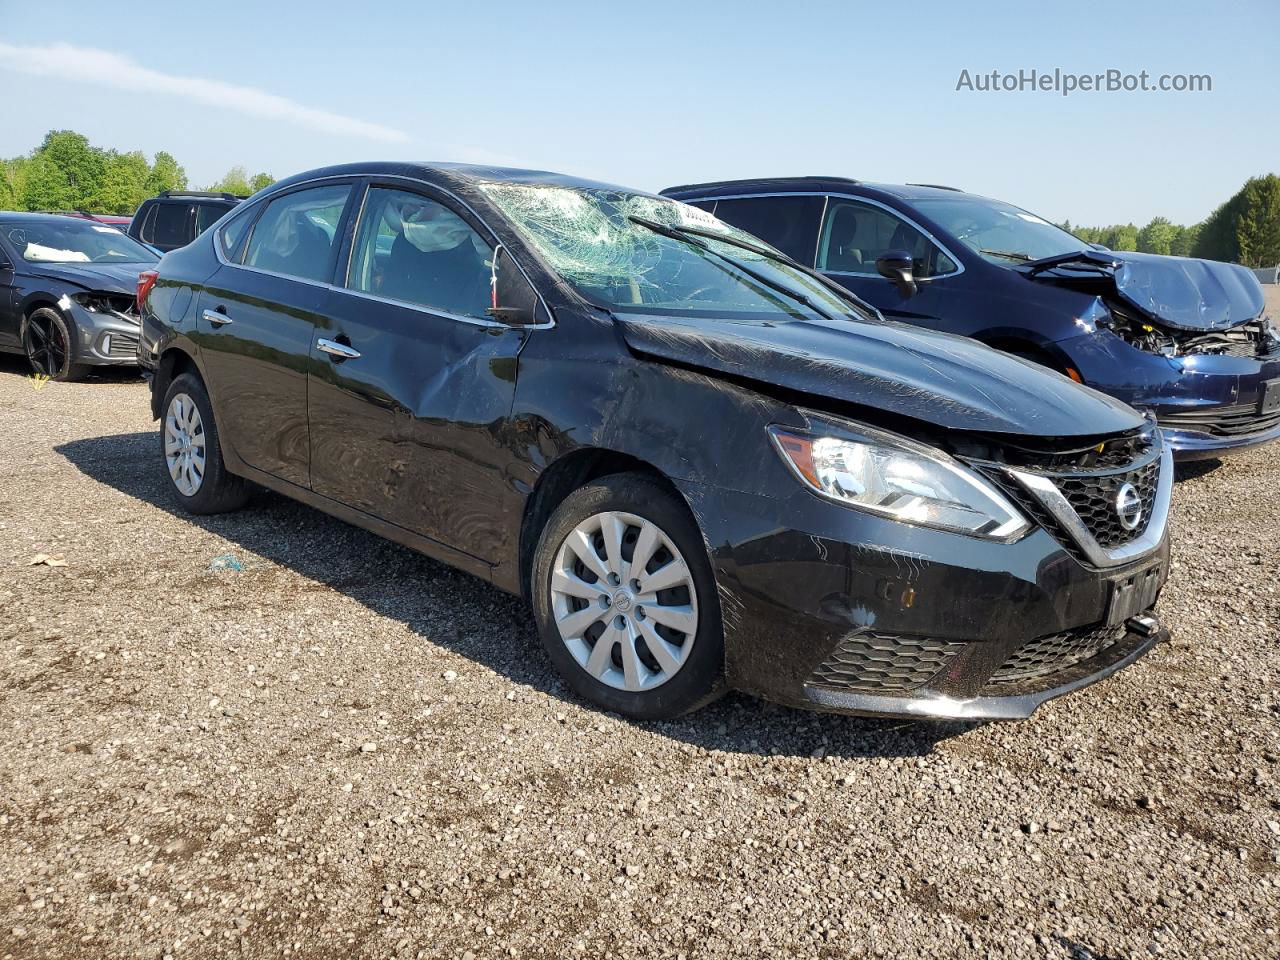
<point x="412" y="381"/>
<point x="788" y="221"/>
<point x="8" y="301"/>
<point x="257" y="320"/>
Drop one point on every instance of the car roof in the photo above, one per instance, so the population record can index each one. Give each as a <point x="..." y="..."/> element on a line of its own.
<point x="15" y="216"/>
<point x="452" y="174"/>
<point x="812" y="184"/>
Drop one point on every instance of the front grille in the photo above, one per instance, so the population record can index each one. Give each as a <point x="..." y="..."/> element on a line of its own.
<point x="885" y="662"/>
<point x="1046" y="655"/>
<point x="1237" y="421"/>
<point x="123" y="345"/>
<point x="1092" y="495"/>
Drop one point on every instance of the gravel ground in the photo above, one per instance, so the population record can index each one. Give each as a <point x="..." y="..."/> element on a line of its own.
<point x="347" y="750"/>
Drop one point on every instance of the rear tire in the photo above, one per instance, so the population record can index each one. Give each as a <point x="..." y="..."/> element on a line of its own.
<point x="50" y="345"/>
<point x="625" y="600"/>
<point x="190" y="452"/>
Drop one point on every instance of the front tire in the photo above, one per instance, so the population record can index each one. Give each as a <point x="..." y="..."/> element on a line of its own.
<point x="192" y="457"/>
<point x="625" y="600"/>
<point x="50" y="346"/>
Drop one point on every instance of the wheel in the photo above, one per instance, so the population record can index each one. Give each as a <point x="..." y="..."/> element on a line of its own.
<point x="51" y="347"/>
<point x="625" y="600"/>
<point x="192" y="457"/>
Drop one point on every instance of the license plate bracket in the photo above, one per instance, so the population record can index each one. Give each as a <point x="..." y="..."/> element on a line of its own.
<point x="1133" y="592"/>
<point x="1269" y="402"/>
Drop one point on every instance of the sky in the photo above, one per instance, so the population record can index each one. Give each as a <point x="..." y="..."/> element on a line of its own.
<point x="660" y="93"/>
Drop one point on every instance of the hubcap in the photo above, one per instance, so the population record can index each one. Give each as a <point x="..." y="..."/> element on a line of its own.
<point x="624" y="601"/>
<point x="46" y="346"/>
<point x="184" y="444"/>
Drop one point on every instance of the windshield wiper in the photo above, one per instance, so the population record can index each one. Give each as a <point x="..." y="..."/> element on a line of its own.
<point x="779" y="257"/>
<point x="1009" y="255"/>
<point x="1092" y="258"/>
<point x="683" y="235"/>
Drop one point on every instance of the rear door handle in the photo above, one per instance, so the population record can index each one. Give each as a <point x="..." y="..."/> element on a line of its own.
<point x="216" y="318"/>
<point x="335" y="349"/>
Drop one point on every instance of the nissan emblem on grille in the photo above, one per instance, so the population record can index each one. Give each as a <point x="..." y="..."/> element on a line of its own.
<point x="1129" y="506"/>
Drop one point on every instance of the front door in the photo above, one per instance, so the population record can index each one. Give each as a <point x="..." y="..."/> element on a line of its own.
<point x="256" y="323"/>
<point x="855" y="232"/>
<point x="412" y="381"/>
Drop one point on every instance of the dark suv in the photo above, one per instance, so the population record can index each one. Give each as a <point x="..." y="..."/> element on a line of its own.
<point x="703" y="465"/>
<point x="1188" y="339"/>
<point x="175" y="218"/>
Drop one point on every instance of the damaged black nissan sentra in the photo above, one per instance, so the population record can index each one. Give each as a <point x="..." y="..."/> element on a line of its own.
<point x="705" y="466"/>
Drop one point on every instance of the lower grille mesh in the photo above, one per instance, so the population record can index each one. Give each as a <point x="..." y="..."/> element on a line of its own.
<point x="884" y="662"/>
<point x="1046" y="655"/>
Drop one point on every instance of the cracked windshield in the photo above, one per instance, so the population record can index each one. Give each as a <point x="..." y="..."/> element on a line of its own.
<point x="632" y="252"/>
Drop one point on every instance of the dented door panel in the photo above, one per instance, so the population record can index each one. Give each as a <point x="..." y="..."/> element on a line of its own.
<point x="411" y="431"/>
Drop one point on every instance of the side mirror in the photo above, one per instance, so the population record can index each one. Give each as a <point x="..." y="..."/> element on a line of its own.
<point x="513" y="299"/>
<point x="896" y="266"/>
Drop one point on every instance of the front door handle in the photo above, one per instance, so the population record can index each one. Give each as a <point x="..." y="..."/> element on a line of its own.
<point x="217" y="318"/>
<point x="335" y="349"/>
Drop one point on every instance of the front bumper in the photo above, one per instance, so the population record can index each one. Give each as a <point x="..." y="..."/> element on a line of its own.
<point x="1207" y="406"/>
<point x="952" y="613"/>
<point x="104" y="339"/>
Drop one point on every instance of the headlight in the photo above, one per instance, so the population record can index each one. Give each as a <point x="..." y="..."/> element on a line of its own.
<point x="896" y="478"/>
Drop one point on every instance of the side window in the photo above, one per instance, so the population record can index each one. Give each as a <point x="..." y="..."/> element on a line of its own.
<point x="171" y="226"/>
<point x="414" y="249"/>
<point x="229" y="236"/>
<point x="788" y="223"/>
<point x="296" y="233"/>
<point x="855" y="234"/>
<point x="207" y="215"/>
<point x="146" y="231"/>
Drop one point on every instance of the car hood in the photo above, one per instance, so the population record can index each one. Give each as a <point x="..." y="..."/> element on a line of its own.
<point x="1178" y="291"/>
<point x="950" y="381"/>
<point x="107" y="277"/>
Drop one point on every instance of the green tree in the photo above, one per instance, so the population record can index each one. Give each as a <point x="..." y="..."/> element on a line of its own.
<point x="165" y="174"/>
<point x="1157" y="236"/>
<point x="1122" y="237"/>
<point x="1258" y="229"/>
<point x="64" y="173"/>
<point x="124" y="183"/>
<point x="1243" y="230"/>
<point x="8" y="195"/>
<point x="261" y="181"/>
<point x="1184" y="240"/>
<point x="235" y="180"/>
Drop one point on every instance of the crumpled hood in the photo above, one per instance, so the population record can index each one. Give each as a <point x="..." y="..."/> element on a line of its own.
<point x="951" y="381"/>
<point x="107" y="277"/>
<point x="1180" y="292"/>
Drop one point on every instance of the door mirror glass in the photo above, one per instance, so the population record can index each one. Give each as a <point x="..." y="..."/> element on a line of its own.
<point x="897" y="266"/>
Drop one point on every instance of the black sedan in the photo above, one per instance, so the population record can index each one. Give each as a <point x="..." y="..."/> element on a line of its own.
<point x="68" y="292"/>
<point x="705" y="466"/>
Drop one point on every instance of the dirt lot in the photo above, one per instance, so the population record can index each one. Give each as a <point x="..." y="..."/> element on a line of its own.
<point x="347" y="750"/>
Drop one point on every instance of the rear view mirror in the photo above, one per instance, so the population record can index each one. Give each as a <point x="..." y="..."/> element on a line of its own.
<point x="897" y="266"/>
<point x="513" y="299"/>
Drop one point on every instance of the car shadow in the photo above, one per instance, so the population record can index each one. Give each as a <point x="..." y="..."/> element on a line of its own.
<point x="464" y="613"/>
<point x="16" y="365"/>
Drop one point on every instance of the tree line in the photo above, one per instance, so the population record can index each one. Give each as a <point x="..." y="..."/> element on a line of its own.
<point x="1245" y="229"/>
<point x="66" y="172"/>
